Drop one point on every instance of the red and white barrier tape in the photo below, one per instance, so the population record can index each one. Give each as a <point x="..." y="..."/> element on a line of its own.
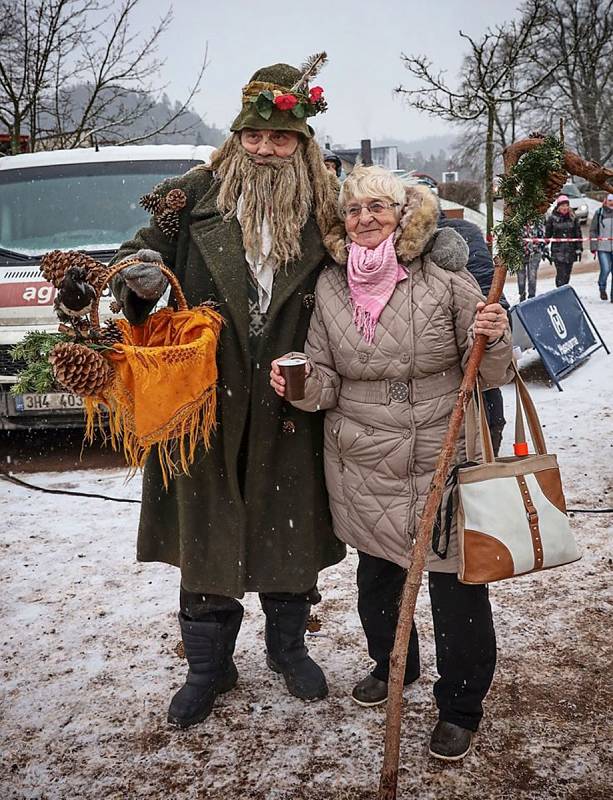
<point x="536" y="239"/>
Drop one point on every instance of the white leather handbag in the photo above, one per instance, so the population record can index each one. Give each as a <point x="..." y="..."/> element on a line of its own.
<point x="511" y="514"/>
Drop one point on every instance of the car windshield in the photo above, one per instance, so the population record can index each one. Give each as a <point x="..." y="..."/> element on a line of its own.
<point x="570" y="190"/>
<point x="92" y="207"/>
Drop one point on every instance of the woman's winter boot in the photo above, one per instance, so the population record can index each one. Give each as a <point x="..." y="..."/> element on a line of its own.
<point x="286" y="653"/>
<point x="209" y="645"/>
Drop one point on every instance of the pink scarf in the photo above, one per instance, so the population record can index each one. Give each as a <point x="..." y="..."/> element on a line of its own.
<point x="372" y="277"/>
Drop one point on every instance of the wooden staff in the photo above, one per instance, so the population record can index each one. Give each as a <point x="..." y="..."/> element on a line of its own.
<point x="600" y="176"/>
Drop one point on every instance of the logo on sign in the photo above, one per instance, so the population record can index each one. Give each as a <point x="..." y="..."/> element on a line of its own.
<point x="557" y="321"/>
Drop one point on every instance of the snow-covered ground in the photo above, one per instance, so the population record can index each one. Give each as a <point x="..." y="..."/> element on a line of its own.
<point x="89" y="663"/>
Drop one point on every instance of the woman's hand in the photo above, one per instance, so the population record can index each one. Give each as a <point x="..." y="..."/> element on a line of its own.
<point x="277" y="381"/>
<point x="491" y="320"/>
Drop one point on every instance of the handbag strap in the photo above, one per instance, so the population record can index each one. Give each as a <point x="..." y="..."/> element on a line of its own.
<point x="524" y="405"/>
<point x="487" y="447"/>
<point x="439" y="529"/>
<point x="524" y="401"/>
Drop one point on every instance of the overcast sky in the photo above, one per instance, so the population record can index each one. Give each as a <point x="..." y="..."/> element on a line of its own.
<point x="363" y="39"/>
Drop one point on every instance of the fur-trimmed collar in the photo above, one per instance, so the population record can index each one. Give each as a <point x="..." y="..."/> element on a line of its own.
<point x="416" y="228"/>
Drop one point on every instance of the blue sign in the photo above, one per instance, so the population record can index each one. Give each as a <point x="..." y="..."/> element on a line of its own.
<point x="559" y="327"/>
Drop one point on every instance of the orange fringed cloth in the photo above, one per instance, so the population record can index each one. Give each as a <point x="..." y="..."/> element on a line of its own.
<point x="164" y="388"/>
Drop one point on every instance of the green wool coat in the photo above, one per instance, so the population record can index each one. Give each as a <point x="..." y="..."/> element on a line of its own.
<point x="276" y="535"/>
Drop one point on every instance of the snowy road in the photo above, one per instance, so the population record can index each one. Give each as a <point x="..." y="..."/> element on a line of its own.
<point x="89" y="663"/>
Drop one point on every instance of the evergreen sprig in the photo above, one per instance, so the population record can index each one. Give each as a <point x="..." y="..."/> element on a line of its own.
<point x="34" y="349"/>
<point x="523" y="191"/>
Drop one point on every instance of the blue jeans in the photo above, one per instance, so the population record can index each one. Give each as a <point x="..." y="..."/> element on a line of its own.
<point x="605" y="259"/>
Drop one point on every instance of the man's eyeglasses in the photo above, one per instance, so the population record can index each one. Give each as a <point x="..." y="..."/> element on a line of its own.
<point x="376" y="207"/>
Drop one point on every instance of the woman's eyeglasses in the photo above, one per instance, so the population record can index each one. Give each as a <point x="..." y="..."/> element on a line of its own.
<point x="376" y="207"/>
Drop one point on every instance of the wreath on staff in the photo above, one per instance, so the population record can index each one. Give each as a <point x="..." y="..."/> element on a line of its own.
<point x="527" y="189"/>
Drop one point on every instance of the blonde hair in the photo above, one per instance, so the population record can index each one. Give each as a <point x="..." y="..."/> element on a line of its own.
<point x="375" y="182"/>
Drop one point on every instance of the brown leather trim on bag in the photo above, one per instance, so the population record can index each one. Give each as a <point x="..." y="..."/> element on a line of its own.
<point x="507" y="467"/>
<point x="490" y="560"/>
<point x="533" y="521"/>
<point x="551" y="486"/>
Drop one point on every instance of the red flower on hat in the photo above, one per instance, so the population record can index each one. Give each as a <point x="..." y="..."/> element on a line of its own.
<point x="315" y="94"/>
<point x="285" y="102"/>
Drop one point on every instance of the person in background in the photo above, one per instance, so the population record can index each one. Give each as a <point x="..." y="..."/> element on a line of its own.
<point x="534" y="253"/>
<point x="332" y="162"/>
<point x="481" y="267"/>
<point x="563" y="224"/>
<point x="601" y="233"/>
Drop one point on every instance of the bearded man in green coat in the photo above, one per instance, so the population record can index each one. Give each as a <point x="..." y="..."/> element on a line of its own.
<point x="246" y="232"/>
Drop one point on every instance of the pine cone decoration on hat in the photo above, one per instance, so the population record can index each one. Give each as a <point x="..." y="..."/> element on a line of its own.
<point x="54" y="264"/>
<point x="80" y="369"/>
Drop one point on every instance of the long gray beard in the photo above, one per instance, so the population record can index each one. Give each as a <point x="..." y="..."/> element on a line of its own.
<point x="279" y="191"/>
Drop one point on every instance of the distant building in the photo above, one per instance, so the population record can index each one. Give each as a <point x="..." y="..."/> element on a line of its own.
<point x="382" y="156"/>
<point x="450" y="177"/>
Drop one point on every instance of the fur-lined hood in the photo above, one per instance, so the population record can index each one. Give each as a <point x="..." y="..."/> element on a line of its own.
<point x="416" y="234"/>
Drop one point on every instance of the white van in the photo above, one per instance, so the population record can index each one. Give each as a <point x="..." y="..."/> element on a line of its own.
<point x="66" y="200"/>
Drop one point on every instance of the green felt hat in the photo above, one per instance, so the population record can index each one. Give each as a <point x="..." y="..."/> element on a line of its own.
<point x="277" y="98"/>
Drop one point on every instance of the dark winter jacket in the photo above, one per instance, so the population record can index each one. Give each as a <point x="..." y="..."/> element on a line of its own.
<point x="560" y="226"/>
<point x="480" y="263"/>
<point x="602" y="225"/>
<point x="253" y="515"/>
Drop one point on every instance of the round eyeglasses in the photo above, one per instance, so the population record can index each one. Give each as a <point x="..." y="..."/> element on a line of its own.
<point x="376" y="208"/>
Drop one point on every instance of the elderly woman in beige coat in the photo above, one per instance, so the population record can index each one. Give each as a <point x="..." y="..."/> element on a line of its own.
<point x="392" y="328"/>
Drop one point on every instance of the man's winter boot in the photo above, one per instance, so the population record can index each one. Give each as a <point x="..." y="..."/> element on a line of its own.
<point x="450" y="742"/>
<point x="286" y="653"/>
<point x="209" y="645"/>
<point x="603" y="294"/>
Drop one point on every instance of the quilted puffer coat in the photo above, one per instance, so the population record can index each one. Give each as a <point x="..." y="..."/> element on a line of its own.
<point x="388" y="403"/>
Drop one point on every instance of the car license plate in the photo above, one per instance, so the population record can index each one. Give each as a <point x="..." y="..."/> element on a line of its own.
<point x="54" y="401"/>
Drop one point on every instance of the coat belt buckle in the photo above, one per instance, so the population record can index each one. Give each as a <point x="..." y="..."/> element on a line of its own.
<point x="399" y="392"/>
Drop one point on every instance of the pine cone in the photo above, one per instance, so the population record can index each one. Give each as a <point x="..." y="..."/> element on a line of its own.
<point x="54" y="264"/>
<point x="152" y="202"/>
<point x="115" y="307"/>
<point x="110" y="333"/>
<point x="168" y="223"/>
<point x="80" y="369"/>
<point x="554" y="183"/>
<point x="176" y="199"/>
<point x="96" y="275"/>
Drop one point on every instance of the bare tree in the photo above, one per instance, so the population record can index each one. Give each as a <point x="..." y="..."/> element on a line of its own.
<point x="469" y="149"/>
<point x="35" y="35"/>
<point x="580" y="88"/>
<point x="71" y="73"/>
<point x="494" y="76"/>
